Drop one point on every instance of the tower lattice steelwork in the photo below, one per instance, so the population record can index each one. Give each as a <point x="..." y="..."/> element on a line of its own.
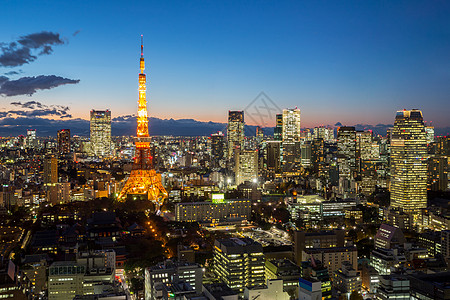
<point x="143" y="179"/>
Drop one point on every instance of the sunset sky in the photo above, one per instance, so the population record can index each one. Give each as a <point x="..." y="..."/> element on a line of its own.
<point x="354" y="62"/>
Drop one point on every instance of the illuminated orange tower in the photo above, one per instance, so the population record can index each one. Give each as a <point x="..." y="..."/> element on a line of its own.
<point x="143" y="179"/>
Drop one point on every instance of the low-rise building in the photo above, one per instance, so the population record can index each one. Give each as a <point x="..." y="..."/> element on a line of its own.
<point x="332" y="258"/>
<point x="430" y="286"/>
<point x="213" y="212"/>
<point x="389" y="237"/>
<point x="385" y="260"/>
<point x="272" y="290"/>
<point x="321" y="239"/>
<point x="393" y="286"/>
<point x="347" y="279"/>
<point x="309" y="289"/>
<point x="170" y="271"/>
<point x="285" y="270"/>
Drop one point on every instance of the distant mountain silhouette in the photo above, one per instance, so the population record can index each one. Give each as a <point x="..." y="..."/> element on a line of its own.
<point x="120" y="126"/>
<point x="126" y="125"/>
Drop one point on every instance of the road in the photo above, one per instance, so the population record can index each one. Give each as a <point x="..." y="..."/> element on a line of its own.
<point x="119" y="273"/>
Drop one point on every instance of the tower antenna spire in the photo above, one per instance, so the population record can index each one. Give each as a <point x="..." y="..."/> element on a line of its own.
<point x="142" y="46"/>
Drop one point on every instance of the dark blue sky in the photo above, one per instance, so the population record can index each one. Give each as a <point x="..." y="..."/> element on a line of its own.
<point x="338" y="61"/>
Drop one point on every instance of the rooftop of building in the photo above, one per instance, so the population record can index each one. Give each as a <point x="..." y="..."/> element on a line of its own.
<point x="441" y="280"/>
<point x="172" y="264"/>
<point x="238" y="245"/>
<point x="218" y="290"/>
<point x="332" y="249"/>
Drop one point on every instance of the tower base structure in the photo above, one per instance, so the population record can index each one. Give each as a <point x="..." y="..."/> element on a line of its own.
<point x="143" y="182"/>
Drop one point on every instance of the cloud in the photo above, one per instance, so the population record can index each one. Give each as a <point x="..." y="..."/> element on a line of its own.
<point x="12" y="56"/>
<point x="33" y="109"/>
<point x="28" y="47"/>
<point x="29" y="104"/>
<point x="30" y="85"/>
<point x="40" y="39"/>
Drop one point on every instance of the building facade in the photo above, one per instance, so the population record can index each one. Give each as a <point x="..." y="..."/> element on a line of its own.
<point x="409" y="162"/>
<point x="100" y="133"/>
<point x="235" y="133"/>
<point x="239" y="262"/>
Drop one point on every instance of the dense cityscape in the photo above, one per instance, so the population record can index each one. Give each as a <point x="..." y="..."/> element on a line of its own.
<point x="304" y="213"/>
<point x="257" y="211"/>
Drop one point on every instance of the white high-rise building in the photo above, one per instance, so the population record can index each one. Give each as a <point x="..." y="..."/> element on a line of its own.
<point x="291" y="125"/>
<point x="101" y="133"/>
<point x="31" y="141"/>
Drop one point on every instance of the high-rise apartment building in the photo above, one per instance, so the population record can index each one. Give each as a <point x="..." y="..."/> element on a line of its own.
<point x="63" y="141"/>
<point x="235" y="132"/>
<point x="409" y="162"/>
<point x="101" y="132"/>
<point x="239" y="262"/>
<point x="246" y="167"/>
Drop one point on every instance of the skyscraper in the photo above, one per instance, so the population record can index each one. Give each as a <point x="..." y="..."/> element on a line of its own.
<point x="409" y="162"/>
<point x="51" y="179"/>
<point x="31" y="138"/>
<point x="346" y="157"/>
<point x="430" y="134"/>
<point x="235" y="132"/>
<point x="325" y="133"/>
<point x="346" y="143"/>
<point x="272" y="163"/>
<point x="50" y="170"/>
<point x="291" y="141"/>
<point x="63" y="141"/>
<point x="278" y="130"/>
<point x="101" y="132"/>
<point x="30" y="141"/>
<point x="246" y="168"/>
<point x="217" y="149"/>
<point x="363" y="148"/>
<point x="291" y="125"/>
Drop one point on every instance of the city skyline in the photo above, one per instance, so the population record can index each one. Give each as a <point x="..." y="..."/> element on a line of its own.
<point x="333" y="65"/>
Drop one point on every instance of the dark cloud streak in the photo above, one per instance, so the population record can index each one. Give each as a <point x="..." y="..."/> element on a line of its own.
<point x="28" y="47"/>
<point x="33" y="109"/>
<point x="30" y="85"/>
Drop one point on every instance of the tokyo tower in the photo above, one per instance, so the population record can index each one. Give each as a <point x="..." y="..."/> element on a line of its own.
<point x="143" y="179"/>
